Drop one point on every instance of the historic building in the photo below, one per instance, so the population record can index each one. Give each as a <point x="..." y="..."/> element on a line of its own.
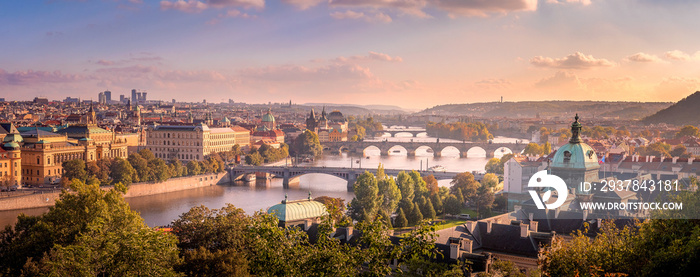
<point x="329" y="127"/>
<point x="305" y="212"/>
<point x="194" y="142"/>
<point x="267" y="131"/>
<point x="576" y="161"/>
<point x="10" y="162"/>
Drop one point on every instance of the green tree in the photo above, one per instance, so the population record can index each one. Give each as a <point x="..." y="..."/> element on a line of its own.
<point x="307" y="143"/>
<point x="420" y="187"/>
<point x="366" y="204"/>
<point x="140" y="164"/>
<point x="493" y="166"/>
<point x="406" y="186"/>
<point x="400" y="220"/>
<point x="688" y="130"/>
<point x="546" y="148"/>
<point x="680" y="151"/>
<point x="533" y="149"/>
<point x="159" y="169"/>
<point x="428" y="210"/>
<point x="466" y="183"/>
<point x="437" y="203"/>
<point x="122" y="172"/>
<point x="483" y="200"/>
<point x="254" y="159"/>
<point x="415" y="217"/>
<point x="74" y="170"/>
<point x="389" y="195"/>
<point x="452" y="205"/>
<point x="89" y="232"/>
<point x="490" y="181"/>
<point x="193" y="168"/>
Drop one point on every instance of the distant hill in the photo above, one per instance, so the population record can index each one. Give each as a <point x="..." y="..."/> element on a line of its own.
<point x="350" y="109"/>
<point x="684" y="112"/>
<point x="549" y="109"/>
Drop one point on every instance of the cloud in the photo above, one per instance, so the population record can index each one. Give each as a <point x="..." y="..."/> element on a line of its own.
<point x="582" y="2"/>
<point x="574" y="61"/>
<point x="560" y="79"/>
<point x="105" y="62"/>
<point x="678" y="55"/>
<point x="371" y="56"/>
<point x="643" y="58"/>
<point x="483" y="8"/>
<point x="190" y="6"/>
<point x="675" y="87"/>
<point x="31" y="77"/>
<point x="296" y="73"/>
<point x="302" y="4"/>
<point x="493" y="83"/>
<point x="195" y="6"/>
<point x="412" y="7"/>
<point x="369" y="17"/>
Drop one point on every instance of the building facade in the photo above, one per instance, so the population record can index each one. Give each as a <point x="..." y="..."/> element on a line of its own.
<point x="193" y="142"/>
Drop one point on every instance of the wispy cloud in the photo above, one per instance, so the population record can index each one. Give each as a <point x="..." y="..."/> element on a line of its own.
<point x="31" y="77"/>
<point x="190" y="6"/>
<point x="678" y="55"/>
<point x="483" y="8"/>
<point x="371" y="56"/>
<point x="582" y="2"/>
<point x="195" y="6"/>
<point x="574" y="61"/>
<point x="643" y="58"/>
<point x="303" y="4"/>
<point x="369" y="17"/>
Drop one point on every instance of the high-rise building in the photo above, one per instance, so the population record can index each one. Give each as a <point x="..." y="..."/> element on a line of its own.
<point x="134" y="98"/>
<point x="101" y="98"/>
<point x="121" y="98"/>
<point x="108" y="96"/>
<point x="143" y="99"/>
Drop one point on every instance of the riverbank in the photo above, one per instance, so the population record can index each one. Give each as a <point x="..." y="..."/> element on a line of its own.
<point x="47" y="199"/>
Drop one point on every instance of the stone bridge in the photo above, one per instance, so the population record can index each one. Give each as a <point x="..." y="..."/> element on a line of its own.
<point x="393" y="132"/>
<point x="358" y="147"/>
<point x="292" y="174"/>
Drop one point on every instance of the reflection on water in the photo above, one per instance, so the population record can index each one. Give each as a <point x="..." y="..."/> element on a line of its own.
<point x="162" y="209"/>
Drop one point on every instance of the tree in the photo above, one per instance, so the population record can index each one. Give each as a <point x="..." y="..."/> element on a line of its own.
<point x="254" y="158"/>
<point x="406" y="186"/>
<point x="307" y="143"/>
<point x="400" y="220"/>
<point x="680" y="151"/>
<point x="428" y="210"/>
<point x="193" y="168"/>
<point x="483" y="199"/>
<point x="533" y="149"/>
<point x="389" y="195"/>
<point x="466" y="183"/>
<point x="140" y="164"/>
<point x="74" y="170"/>
<point x="159" y="169"/>
<point x="500" y="202"/>
<point x="432" y="184"/>
<point x="546" y="148"/>
<point x="437" y="203"/>
<point x="419" y="186"/>
<point x="88" y="232"/>
<point x="366" y="204"/>
<point x="493" y="166"/>
<point x="452" y="205"/>
<point x="688" y="130"/>
<point x="122" y="172"/>
<point x="490" y="181"/>
<point x="415" y="217"/>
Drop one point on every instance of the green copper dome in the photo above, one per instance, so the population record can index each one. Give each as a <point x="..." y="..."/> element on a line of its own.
<point x="13" y="138"/>
<point x="268" y="117"/>
<point x="575" y="154"/>
<point x="11" y="146"/>
<point x="297" y="210"/>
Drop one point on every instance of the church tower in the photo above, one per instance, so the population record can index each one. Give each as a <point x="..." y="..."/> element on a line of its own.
<point x="91" y="118"/>
<point x="576" y="161"/>
<point x="311" y="123"/>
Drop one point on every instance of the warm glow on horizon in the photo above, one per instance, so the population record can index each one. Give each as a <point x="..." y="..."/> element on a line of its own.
<point x="413" y="54"/>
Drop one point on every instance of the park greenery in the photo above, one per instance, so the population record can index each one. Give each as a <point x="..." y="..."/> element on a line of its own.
<point x="496" y="165"/>
<point x="307" y="143"/>
<point x="142" y="166"/>
<point x="473" y="131"/>
<point x="363" y="127"/>
<point x="267" y="154"/>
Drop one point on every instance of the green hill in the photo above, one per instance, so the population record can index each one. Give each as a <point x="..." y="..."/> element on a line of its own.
<point x="684" y="112"/>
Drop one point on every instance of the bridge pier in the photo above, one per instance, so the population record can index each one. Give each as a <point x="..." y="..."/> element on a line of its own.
<point x="437" y="153"/>
<point x="463" y="154"/>
<point x="489" y="154"/>
<point x="351" y="181"/>
<point x="412" y="153"/>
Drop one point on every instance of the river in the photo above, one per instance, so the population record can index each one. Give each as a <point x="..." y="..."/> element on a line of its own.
<point x="161" y="209"/>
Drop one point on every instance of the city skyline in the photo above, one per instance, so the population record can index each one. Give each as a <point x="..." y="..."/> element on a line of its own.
<point x="413" y="54"/>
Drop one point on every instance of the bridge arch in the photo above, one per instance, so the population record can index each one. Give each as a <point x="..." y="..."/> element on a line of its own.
<point x="372" y="150"/>
<point x="398" y="150"/>
<point x="499" y="152"/>
<point x="424" y="151"/>
<point x="476" y="152"/>
<point x="449" y="151"/>
<point x="403" y="134"/>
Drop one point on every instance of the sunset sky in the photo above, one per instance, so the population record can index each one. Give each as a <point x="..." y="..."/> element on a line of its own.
<point x="410" y="53"/>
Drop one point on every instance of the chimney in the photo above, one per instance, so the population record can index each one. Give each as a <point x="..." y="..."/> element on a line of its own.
<point x="524" y="232"/>
<point x="470" y="225"/>
<point x="348" y="233"/>
<point x="454" y="251"/>
<point x="531" y="216"/>
<point x="488" y="227"/>
<point x="585" y="215"/>
<point x="467" y="245"/>
<point x="533" y="226"/>
<point x="690" y="160"/>
<point x="662" y="159"/>
<point x="674" y="160"/>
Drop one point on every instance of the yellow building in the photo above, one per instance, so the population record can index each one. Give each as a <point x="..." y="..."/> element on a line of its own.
<point x="10" y="164"/>
<point x="193" y="142"/>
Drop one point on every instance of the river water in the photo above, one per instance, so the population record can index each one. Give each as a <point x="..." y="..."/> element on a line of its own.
<point x="162" y="209"/>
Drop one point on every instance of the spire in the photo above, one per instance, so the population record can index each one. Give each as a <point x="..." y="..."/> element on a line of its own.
<point x="575" y="131"/>
<point x="310" y="195"/>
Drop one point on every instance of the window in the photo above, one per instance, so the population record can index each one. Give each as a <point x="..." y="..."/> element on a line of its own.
<point x="567" y="156"/>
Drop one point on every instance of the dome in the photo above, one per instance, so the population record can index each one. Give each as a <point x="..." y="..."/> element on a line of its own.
<point x="298" y="210"/>
<point x="85" y="139"/>
<point x="45" y="142"/>
<point x="575" y="154"/>
<point x="11" y="146"/>
<point x="226" y="120"/>
<point x="13" y="138"/>
<point x="268" y="117"/>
